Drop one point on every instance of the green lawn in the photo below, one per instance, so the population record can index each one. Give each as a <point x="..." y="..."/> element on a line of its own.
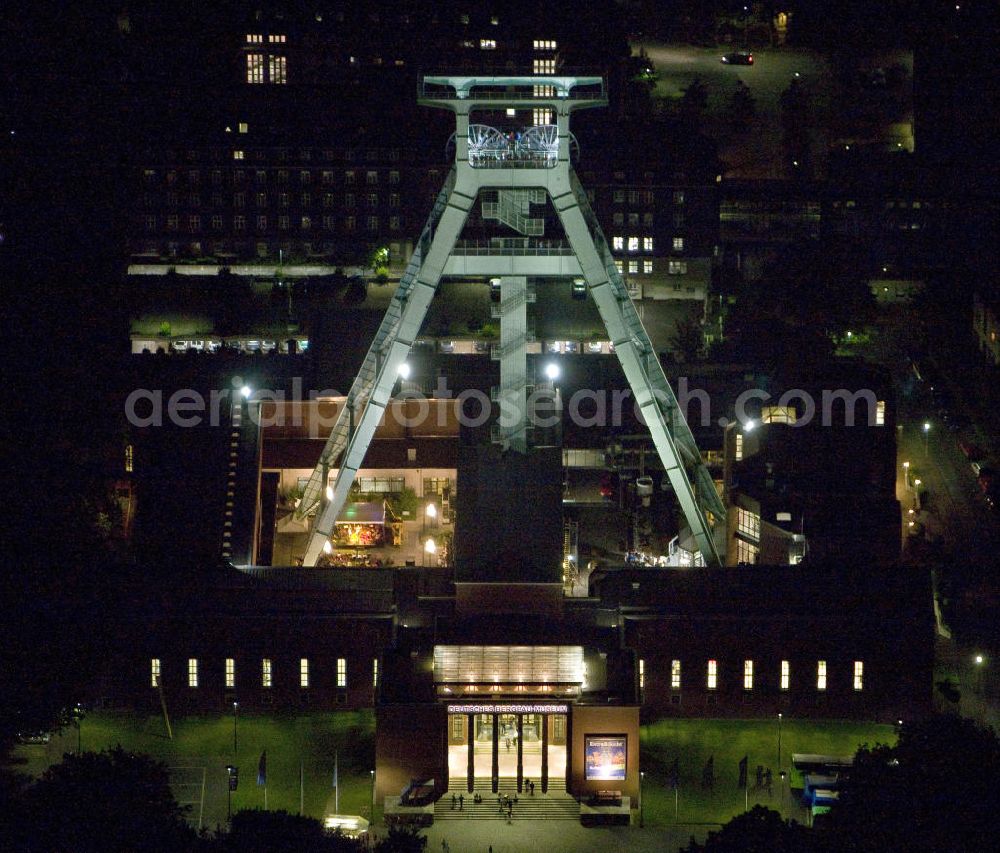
<point x="693" y="742"/>
<point x="204" y="746"/>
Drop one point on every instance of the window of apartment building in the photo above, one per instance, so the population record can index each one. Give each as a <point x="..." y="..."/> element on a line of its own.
<point x="327" y="199"/>
<point x="154" y="672"/>
<point x="678" y="244"/>
<point x="393" y="223"/>
<point x="618" y="243"/>
<point x="777" y="415"/>
<point x="239" y="199"/>
<point x="633" y="196"/>
<point x="172" y="199"/>
<point x="677" y="267"/>
<point x="393" y="199"/>
<point x="619" y="266"/>
<point x="618" y="196"/>
<point x="633" y="219"/>
<point x="260" y="175"/>
<point x="192" y="672"/>
<point x="303" y="672"/>
<point x="748" y="523"/>
<point x="633" y="244"/>
<point x="239" y="223"/>
<point x="328" y="223"/>
<point x="266" y="673"/>
<point x="283" y="223"/>
<point x="738" y="453"/>
<point x="326" y="177"/>
<point x="678" y="196"/>
<point x="278" y="69"/>
<point x="306" y="223"/>
<point x="748" y="675"/>
<point x="350" y="223"/>
<point x="172" y="221"/>
<point x="544" y="44"/>
<point x="307" y="199"/>
<point x="149" y="176"/>
<point x="277" y="39"/>
<point x="255" y="68"/>
<point x="341" y="672"/>
<point x="675" y="675"/>
<point x="374" y="672"/>
<point x="541" y="116"/>
<point x="821" y="675"/>
<point x="543" y="66"/>
<point x="647" y="196"/>
<point x="261" y="199"/>
<point x="618" y="218"/>
<point x="859" y="675"/>
<point x="305" y="177"/>
<point x="487" y="44"/>
<point x="129" y="458"/>
<point x="647" y="244"/>
<point x="349" y="177"/>
<point x="348" y="199"/>
<point x="282" y="176"/>
<point x="647" y="219"/>
<point x="194" y="177"/>
<point x="261" y="223"/>
<point x="371" y="178"/>
<point x="171" y="177"/>
<point x="194" y="222"/>
<point x="394" y="177"/>
<point x="243" y="127"/>
<point x="880" y="413"/>
<point x="713" y="674"/>
<point x="372" y="199"/>
<point x="283" y="199"/>
<point x="786" y="675"/>
<point x="194" y="200"/>
<point x="230" y="672"/>
<point x="642" y="674"/>
<point x="633" y="267"/>
<point x="255" y="38"/>
<point x="372" y="223"/>
<point x="746" y="552"/>
<point x="150" y="223"/>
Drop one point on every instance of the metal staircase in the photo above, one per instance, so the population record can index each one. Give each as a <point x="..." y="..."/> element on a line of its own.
<point x="512" y="209"/>
<point x="364" y="382"/>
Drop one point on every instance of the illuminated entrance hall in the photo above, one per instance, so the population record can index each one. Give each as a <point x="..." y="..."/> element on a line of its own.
<point x="526" y="747"/>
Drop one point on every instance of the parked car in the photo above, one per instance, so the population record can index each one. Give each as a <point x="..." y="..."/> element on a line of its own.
<point x="33" y="737"/>
<point x="579" y="288"/>
<point x="447" y="346"/>
<point x="738" y="57"/>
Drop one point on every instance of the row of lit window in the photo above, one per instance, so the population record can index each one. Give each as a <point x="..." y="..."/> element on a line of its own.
<point x="305" y="223"/>
<point x="544" y="44"/>
<point x="282" y="154"/>
<point x="784" y="681"/>
<point x="258" y="38"/>
<point x="543" y="66"/>
<point x="266" y="672"/>
<point x="261" y="175"/>
<point x="619" y="244"/>
<point x="284" y="200"/>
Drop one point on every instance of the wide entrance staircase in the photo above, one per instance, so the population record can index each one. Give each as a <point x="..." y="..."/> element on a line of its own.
<point x="557" y="804"/>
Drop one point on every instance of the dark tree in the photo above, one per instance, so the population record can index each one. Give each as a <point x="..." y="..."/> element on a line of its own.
<point x="688" y="339"/>
<point x="402" y="839"/>
<point x="937" y="790"/>
<point x="694" y="101"/>
<point x="258" y="831"/>
<point x="112" y="800"/>
<point x="760" y="830"/>
<point x="742" y="106"/>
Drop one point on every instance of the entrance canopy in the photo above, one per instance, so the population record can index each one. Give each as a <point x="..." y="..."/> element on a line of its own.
<point x="517" y="671"/>
<point x="363" y="513"/>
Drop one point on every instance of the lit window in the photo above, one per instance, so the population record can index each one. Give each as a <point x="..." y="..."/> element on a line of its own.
<point x="154" y="672"/>
<point x="777" y="415"/>
<point x="277" y="39"/>
<point x="748" y="523"/>
<point x="243" y="127"/>
<point x="303" y="672"/>
<point x="633" y="267"/>
<point x="746" y="552"/>
<point x="647" y="244"/>
<point x="129" y="458"/>
<point x="677" y="267"/>
<point x="678" y="196"/>
<point x="619" y="266"/>
<point x="748" y="675"/>
<point x="278" y="69"/>
<point x="487" y="44"/>
<point x="786" y="674"/>
<point x="544" y="44"/>
<point x="675" y="675"/>
<point x="880" y="413"/>
<point x="375" y="672"/>
<point x="541" y="116"/>
<point x="713" y="674"/>
<point x="341" y="672"/>
<point x="394" y="223"/>
<point x="255" y="68"/>
<point x="543" y="66"/>
<point x="618" y="243"/>
<point x="647" y="267"/>
<point x="306" y="223"/>
<point x="266" y="674"/>
<point x="821" y="675"/>
<point x="642" y="673"/>
<point x="633" y="244"/>
<point x="192" y="672"/>
<point x="237" y="155"/>
<point x="230" y="672"/>
<point x="739" y="446"/>
<point x="255" y="39"/>
<point x="859" y="675"/>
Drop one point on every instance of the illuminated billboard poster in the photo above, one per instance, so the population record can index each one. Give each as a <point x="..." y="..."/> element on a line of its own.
<point x="604" y="756"/>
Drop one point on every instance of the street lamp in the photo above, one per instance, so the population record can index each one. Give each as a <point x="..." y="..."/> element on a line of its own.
<point x="552" y="371"/>
<point x="779" y="740"/>
<point x="906" y="475"/>
<point x="373" y="796"/>
<point x="642" y="775"/>
<point x="236" y="706"/>
<point x="927" y="429"/>
<point x="404" y="370"/>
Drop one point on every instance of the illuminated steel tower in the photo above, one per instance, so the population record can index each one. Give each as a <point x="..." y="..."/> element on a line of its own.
<point x="511" y="175"/>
